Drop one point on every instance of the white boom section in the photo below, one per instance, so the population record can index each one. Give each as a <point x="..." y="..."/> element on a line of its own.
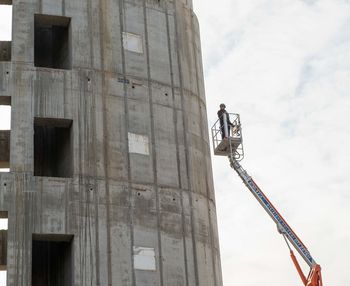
<point x="282" y="225"/>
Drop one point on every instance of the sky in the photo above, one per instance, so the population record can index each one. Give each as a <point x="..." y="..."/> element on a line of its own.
<point x="284" y="66"/>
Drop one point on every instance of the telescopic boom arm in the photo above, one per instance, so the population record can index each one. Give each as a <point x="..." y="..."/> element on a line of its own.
<point x="314" y="278"/>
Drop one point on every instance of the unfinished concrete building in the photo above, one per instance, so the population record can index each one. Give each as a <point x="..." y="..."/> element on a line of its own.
<point x="110" y="178"/>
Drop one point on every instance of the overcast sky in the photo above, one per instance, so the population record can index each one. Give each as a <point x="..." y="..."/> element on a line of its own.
<point x="284" y="65"/>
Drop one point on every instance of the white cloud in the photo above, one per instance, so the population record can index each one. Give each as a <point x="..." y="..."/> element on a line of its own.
<point x="284" y="65"/>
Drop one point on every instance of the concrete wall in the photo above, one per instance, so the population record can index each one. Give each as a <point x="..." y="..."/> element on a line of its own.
<point x="140" y="147"/>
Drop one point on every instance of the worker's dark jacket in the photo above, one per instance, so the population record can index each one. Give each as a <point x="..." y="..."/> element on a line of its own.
<point x="220" y="115"/>
<point x="222" y="127"/>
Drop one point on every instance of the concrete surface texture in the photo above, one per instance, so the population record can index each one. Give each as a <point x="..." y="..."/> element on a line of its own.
<point x="111" y="180"/>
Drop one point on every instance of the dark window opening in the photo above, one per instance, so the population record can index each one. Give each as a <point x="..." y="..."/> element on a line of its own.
<point x="52" y="147"/>
<point x="52" y="260"/>
<point x="3" y="240"/>
<point x="52" y="43"/>
<point x="6" y="30"/>
<point x="5" y="133"/>
<point x="5" y="51"/>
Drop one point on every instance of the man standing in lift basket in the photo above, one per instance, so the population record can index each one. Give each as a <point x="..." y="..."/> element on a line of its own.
<point x="222" y="125"/>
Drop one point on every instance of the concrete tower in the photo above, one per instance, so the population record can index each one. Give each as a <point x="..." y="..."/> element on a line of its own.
<point x="111" y="180"/>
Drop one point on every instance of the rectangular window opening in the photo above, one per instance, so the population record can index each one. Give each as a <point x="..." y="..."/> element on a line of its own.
<point x="52" y="260"/>
<point x="5" y="30"/>
<point x="52" y="42"/>
<point x="5" y="133"/>
<point x="3" y="246"/>
<point x="53" y="147"/>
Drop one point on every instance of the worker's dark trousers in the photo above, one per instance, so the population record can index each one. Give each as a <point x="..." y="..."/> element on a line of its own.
<point x="222" y="129"/>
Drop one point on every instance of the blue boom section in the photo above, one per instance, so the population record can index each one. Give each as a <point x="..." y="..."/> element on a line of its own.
<point x="282" y="225"/>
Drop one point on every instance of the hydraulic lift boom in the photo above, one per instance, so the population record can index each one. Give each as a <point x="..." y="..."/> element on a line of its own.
<point x="231" y="145"/>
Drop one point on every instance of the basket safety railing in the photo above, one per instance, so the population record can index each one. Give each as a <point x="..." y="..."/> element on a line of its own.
<point x="228" y="128"/>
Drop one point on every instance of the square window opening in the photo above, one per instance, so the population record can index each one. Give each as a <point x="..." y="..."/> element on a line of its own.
<point x="52" y="42"/>
<point x="132" y="42"/>
<point x="3" y="244"/>
<point x="53" y="147"/>
<point x="52" y="260"/>
<point x="6" y="30"/>
<point x="5" y="133"/>
<point x="144" y="258"/>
